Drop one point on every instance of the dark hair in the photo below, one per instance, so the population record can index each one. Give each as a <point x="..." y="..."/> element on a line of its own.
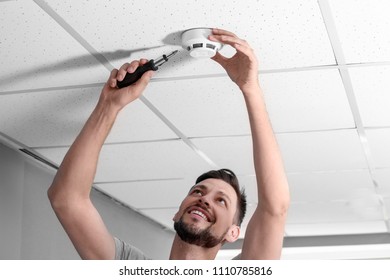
<point x="229" y="177"/>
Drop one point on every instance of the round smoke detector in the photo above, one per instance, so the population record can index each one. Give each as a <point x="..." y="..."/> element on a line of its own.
<point x="196" y="42"/>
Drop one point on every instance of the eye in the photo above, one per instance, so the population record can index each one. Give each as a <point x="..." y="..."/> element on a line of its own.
<point x="197" y="192"/>
<point x="222" y="201"/>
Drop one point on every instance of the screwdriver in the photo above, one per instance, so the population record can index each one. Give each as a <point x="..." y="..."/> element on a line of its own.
<point x="131" y="78"/>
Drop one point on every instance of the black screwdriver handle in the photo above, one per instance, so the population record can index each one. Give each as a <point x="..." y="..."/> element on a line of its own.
<point x="131" y="78"/>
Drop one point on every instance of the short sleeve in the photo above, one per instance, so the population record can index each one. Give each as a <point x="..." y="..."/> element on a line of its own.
<point x="124" y="251"/>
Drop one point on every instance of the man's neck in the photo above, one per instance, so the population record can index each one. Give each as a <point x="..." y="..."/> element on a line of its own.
<point x="184" y="251"/>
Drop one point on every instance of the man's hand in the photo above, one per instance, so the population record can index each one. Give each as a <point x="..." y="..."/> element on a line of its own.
<point x="69" y="193"/>
<point x="117" y="98"/>
<point x="242" y="67"/>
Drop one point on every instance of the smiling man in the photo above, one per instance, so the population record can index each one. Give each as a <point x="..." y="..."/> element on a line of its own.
<point x="210" y="215"/>
<point x="212" y="212"/>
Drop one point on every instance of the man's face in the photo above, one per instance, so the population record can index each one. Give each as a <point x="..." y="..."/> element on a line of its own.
<point x="205" y="217"/>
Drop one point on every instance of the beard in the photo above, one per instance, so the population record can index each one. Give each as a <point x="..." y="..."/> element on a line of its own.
<point x="199" y="237"/>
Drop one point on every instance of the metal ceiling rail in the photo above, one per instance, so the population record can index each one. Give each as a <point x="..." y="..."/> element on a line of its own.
<point x="346" y="79"/>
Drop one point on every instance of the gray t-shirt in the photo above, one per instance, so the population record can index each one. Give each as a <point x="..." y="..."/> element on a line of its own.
<point x="124" y="251"/>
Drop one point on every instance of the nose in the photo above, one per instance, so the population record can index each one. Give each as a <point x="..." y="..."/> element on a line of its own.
<point x="204" y="201"/>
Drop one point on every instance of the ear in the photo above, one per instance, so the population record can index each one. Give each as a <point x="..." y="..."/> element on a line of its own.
<point x="176" y="216"/>
<point x="233" y="233"/>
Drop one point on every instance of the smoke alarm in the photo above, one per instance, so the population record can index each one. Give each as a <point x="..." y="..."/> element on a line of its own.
<point x="195" y="41"/>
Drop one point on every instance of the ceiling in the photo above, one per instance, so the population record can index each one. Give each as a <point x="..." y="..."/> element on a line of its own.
<point x="324" y="68"/>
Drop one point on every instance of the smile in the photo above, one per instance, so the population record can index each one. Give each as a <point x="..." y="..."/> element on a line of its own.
<point x="202" y="213"/>
<point x="196" y="212"/>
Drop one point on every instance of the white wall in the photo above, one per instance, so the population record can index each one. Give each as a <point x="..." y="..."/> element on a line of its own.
<point x="30" y="230"/>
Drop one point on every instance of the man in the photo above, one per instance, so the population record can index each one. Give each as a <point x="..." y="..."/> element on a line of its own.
<point x="209" y="215"/>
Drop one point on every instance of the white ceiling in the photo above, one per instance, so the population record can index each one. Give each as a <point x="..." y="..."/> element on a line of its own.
<point x="324" y="68"/>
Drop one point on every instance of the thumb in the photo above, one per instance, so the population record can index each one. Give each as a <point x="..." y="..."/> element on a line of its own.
<point x="144" y="80"/>
<point x="220" y="59"/>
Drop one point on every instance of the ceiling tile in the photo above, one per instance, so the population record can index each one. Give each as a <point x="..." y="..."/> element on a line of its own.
<point x="149" y="194"/>
<point x="330" y="186"/>
<point x="141" y="161"/>
<point x="321" y="229"/>
<point x="234" y="153"/>
<point x="56" y="117"/>
<point x="36" y="52"/>
<point x="387" y="205"/>
<point x="382" y="177"/>
<point x="296" y="101"/>
<point x="306" y="100"/>
<point x="378" y="140"/>
<point x="362" y="209"/>
<point x="371" y="86"/>
<point x="323" y="186"/>
<point x="284" y="34"/>
<point x="321" y="151"/>
<point x="201" y="107"/>
<point x="136" y="122"/>
<point x="314" y="151"/>
<point x="363" y="28"/>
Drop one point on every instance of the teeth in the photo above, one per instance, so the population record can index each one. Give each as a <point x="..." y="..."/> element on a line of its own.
<point x="200" y="214"/>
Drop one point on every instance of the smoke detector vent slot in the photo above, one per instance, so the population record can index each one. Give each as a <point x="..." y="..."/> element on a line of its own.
<point x="197" y="43"/>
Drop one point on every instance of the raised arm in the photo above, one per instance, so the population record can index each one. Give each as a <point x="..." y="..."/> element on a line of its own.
<point x="265" y="231"/>
<point x="69" y="193"/>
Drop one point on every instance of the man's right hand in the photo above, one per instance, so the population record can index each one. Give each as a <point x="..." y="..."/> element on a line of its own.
<point x="117" y="98"/>
<point x="69" y="193"/>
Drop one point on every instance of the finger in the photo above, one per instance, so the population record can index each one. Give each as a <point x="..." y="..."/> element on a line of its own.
<point x="122" y="72"/>
<point x="132" y="66"/>
<point x="143" y="61"/>
<point x="112" y="79"/>
<point x="220" y="59"/>
<point x="227" y="39"/>
<point x="218" y="31"/>
<point x="144" y="80"/>
<point x="247" y="50"/>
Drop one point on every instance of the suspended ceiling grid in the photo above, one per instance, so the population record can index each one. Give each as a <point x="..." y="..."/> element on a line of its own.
<point x="324" y="68"/>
